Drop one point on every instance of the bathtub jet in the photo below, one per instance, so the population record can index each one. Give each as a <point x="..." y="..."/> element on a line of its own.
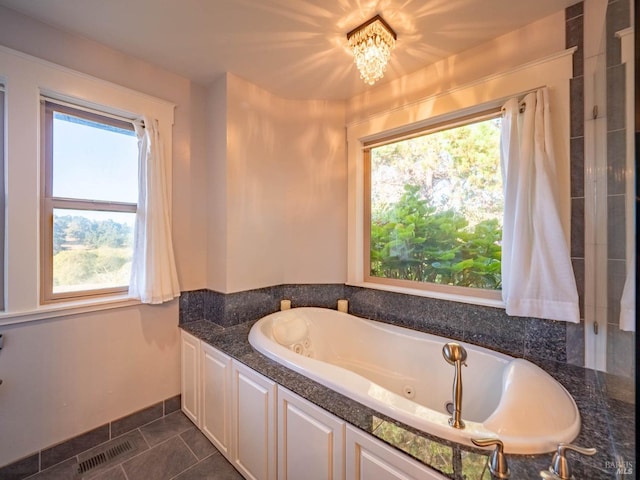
<point x="400" y="372"/>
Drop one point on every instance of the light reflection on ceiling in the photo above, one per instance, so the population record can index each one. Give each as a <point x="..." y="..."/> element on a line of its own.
<point x="293" y="48"/>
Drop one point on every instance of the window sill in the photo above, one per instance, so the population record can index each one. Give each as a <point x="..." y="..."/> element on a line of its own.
<point x="454" y="297"/>
<point x="67" y="308"/>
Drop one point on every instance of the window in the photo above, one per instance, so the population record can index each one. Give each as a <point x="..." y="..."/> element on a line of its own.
<point x="90" y="193"/>
<point x="433" y="207"/>
<point x="2" y="197"/>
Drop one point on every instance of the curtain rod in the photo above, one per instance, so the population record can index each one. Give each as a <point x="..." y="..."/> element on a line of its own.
<point x="522" y="105"/>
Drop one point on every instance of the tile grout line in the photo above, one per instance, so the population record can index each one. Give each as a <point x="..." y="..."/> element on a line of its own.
<point x="152" y="447"/>
<point x="188" y="447"/>
<point x="179" y="435"/>
<point x="148" y="449"/>
<point x="126" y="477"/>
<point x="140" y="427"/>
<point x="145" y="439"/>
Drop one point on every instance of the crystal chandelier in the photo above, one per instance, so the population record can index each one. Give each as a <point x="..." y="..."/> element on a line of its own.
<point x="371" y="44"/>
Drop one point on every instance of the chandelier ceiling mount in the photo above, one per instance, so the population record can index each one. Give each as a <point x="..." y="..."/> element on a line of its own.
<point x="371" y="44"/>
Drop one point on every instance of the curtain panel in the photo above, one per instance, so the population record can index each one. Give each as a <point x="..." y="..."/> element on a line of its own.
<point x="154" y="278"/>
<point x="537" y="276"/>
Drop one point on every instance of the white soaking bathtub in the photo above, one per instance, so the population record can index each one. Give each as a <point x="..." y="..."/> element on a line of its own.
<point x="402" y="373"/>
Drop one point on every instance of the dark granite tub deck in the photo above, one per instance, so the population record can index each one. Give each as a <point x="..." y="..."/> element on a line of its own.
<point x="608" y="422"/>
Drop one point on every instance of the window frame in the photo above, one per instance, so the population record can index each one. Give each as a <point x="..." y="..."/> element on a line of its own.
<point x="2" y="198"/>
<point x="447" y="95"/>
<point x="49" y="202"/>
<point x="453" y="122"/>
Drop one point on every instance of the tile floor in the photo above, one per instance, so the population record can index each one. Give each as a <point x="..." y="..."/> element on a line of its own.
<point x="170" y="448"/>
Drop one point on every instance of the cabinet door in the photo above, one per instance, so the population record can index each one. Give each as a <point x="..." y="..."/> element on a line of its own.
<point x="215" y="399"/>
<point x="370" y="459"/>
<point x="310" y="440"/>
<point x="190" y="375"/>
<point x="253" y="413"/>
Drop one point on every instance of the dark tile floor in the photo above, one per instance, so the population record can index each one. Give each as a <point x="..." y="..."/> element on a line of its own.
<point x="170" y="448"/>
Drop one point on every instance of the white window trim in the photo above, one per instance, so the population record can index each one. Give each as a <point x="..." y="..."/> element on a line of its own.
<point x="27" y="79"/>
<point x="63" y="309"/>
<point x="554" y="71"/>
<point x="484" y="296"/>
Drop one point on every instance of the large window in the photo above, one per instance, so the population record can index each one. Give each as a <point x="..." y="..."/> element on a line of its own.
<point x="434" y="208"/>
<point x="90" y="193"/>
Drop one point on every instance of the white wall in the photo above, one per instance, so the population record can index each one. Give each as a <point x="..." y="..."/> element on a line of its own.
<point x="475" y="80"/>
<point x="189" y="171"/>
<point x="255" y="201"/>
<point x="217" y="185"/>
<point x="282" y="182"/>
<point x="259" y="198"/>
<point x="65" y="375"/>
<point x="531" y="42"/>
<point x="314" y="169"/>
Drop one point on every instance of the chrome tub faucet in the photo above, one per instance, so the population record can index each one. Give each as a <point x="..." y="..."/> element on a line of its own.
<point x="456" y="355"/>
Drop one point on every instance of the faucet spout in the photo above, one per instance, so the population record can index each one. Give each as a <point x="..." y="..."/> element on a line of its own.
<point x="456" y="355"/>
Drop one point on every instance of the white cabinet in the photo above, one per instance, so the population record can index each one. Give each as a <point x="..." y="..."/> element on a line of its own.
<point x="215" y="399"/>
<point x="190" y="378"/>
<point x="268" y="432"/>
<point x="253" y="414"/>
<point x="310" y="440"/>
<point x="370" y="459"/>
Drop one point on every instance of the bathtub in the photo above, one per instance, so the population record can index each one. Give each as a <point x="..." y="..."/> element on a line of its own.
<point x="402" y="374"/>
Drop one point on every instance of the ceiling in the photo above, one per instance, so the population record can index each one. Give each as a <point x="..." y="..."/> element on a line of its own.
<point x="293" y="48"/>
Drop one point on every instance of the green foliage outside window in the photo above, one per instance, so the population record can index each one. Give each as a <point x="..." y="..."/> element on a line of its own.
<point x="412" y="241"/>
<point x="90" y="252"/>
<point x="96" y="234"/>
<point x="436" y="208"/>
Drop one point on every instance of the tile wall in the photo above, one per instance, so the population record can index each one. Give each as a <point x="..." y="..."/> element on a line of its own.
<point x="486" y="326"/>
<point x="620" y="344"/>
<point x="574" y="37"/>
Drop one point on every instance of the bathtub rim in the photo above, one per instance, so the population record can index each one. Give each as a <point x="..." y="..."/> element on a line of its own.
<point x="436" y="422"/>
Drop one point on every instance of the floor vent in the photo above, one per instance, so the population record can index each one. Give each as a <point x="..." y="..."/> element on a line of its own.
<point x="104" y="457"/>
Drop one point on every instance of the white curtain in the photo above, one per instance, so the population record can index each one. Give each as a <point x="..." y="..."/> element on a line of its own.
<point x="537" y="276"/>
<point x="153" y="272"/>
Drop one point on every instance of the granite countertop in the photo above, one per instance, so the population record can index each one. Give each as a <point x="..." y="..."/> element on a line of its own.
<point x="608" y="423"/>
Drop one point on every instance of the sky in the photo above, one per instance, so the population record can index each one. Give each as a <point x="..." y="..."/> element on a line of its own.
<point x="94" y="163"/>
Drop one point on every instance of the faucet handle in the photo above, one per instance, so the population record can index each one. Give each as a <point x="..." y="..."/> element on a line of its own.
<point x="549" y="475"/>
<point x="559" y="463"/>
<point x="497" y="461"/>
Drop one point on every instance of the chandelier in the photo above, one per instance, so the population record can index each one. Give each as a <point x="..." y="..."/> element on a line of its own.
<point x="371" y="44"/>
